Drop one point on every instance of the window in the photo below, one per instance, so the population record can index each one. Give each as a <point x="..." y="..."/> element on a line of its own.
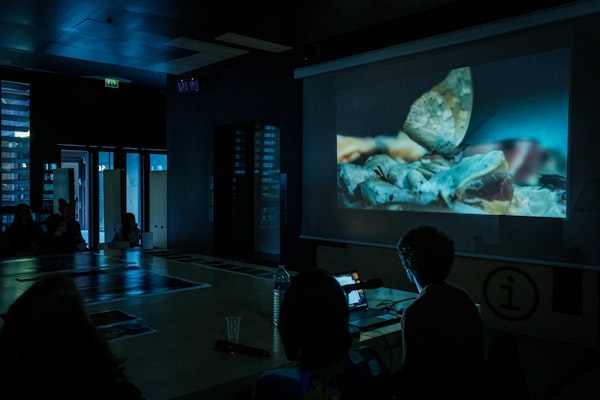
<point x="15" y="125"/>
<point x="158" y="162"/>
<point x="106" y="160"/>
<point x="133" y="202"/>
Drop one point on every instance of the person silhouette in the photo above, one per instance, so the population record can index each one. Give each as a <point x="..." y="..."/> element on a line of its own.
<point x="56" y="238"/>
<point x="128" y="231"/>
<point x="73" y="226"/>
<point x="443" y="340"/>
<point x="314" y="330"/>
<point x="24" y="236"/>
<point x="51" y="349"/>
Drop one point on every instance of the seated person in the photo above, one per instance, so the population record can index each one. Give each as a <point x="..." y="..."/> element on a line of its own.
<point x="73" y="226"/>
<point x="56" y="239"/>
<point x="23" y="236"/>
<point x="51" y="349"/>
<point x="128" y="231"/>
<point x="442" y="333"/>
<point x="314" y="330"/>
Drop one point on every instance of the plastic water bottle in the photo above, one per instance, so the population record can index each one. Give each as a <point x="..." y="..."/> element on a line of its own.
<point x="281" y="281"/>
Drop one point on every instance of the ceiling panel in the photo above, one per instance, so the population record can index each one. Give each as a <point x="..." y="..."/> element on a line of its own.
<point x="105" y="43"/>
<point x="115" y="32"/>
<point x="206" y="54"/>
<point x="143" y="40"/>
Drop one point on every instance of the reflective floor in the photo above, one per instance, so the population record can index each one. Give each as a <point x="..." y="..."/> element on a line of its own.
<point x="98" y="278"/>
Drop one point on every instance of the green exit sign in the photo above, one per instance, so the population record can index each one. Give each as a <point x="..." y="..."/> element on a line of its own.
<point x="111" y="83"/>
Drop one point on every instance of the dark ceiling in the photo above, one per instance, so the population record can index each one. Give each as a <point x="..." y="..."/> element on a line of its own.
<point x="142" y="41"/>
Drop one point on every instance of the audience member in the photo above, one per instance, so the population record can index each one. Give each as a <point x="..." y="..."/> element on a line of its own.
<point x="73" y="227"/>
<point x="23" y="236"/>
<point x="128" y="231"/>
<point x="442" y="333"/>
<point x="50" y="348"/>
<point x="56" y="239"/>
<point x="314" y="330"/>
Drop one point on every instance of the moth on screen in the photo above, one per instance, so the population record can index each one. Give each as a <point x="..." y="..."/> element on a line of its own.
<point x="438" y="120"/>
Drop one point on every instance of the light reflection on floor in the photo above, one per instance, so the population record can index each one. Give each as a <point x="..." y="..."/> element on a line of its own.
<point x="98" y="278"/>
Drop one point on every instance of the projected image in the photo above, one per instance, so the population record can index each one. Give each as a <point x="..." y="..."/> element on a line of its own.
<point x="480" y="139"/>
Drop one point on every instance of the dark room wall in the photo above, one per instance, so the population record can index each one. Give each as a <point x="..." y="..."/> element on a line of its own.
<point x="258" y="87"/>
<point x="71" y="110"/>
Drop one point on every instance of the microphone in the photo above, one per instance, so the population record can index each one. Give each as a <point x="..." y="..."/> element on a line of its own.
<point x="229" y="347"/>
<point x="364" y="284"/>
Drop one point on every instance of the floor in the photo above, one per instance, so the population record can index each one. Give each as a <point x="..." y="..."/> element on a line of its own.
<point x="557" y="371"/>
<point x="554" y="371"/>
<point x="584" y="385"/>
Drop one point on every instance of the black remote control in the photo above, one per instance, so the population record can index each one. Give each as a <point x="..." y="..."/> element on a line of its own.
<point x="230" y="347"/>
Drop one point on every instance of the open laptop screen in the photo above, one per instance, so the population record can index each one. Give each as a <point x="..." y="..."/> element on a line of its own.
<point x="356" y="299"/>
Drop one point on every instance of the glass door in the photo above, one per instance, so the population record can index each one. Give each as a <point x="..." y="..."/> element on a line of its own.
<point x="78" y="161"/>
<point x="106" y="161"/>
<point x="89" y="164"/>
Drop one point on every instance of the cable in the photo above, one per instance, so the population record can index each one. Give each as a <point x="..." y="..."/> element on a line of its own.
<point x="390" y="305"/>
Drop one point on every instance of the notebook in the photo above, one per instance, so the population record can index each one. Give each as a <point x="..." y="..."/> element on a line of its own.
<point x="361" y="316"/>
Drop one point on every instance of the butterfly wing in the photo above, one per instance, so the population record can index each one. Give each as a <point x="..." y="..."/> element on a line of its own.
<point x="438" y="120"/>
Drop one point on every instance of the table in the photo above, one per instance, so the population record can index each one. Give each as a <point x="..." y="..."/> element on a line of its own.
<point x="178" y="360"/>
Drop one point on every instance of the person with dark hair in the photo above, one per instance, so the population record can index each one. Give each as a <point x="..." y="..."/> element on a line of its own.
<point x="23" y="237"/>
<point x="442" y="333"/>
<point x="50" y="348"/>
<point x="314" y="330"/>
<point x="73" y="226"/>
<point x="56" y="239"/>
<point x="128" y="231"/>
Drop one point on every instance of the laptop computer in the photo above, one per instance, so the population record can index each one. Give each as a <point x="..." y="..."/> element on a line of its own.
<point x="361" y="316"/>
